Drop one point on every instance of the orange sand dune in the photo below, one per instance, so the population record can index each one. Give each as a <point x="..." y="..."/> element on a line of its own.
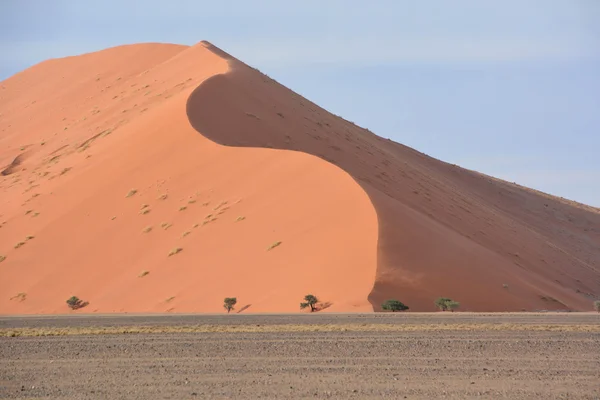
<point x="113" y="160"/>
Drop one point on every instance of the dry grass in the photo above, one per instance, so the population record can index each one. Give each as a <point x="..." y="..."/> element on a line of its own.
<point x="182" y="208"/>
<point x="185" y="233"/>
<point x="143" y="274"/>
<point x="111" y="330"/>
<point x="2" y="258"/>
<point x="175" y="251"/>
<point x="240" y="218"/>
<point x="147" y="229"/>
<point x="191" y="201"/>
<point x="272" y="246"/>
<point x="29" y="237"/>
<point x="19" y="245"/>
<point x="166" y="225"/>
<point x="20" y="296"/>
<point x="145" y="211"/>
<point x="131" y="193"/>
<point x="163" y="196"/>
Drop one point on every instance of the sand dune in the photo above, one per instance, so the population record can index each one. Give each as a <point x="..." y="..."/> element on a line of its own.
<point x="159" y="177"/>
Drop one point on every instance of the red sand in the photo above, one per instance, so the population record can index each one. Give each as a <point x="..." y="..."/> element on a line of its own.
<point x="360" y="219"/>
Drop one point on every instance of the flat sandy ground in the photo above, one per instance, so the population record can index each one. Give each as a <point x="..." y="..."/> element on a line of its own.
<point x="413" y="356"/>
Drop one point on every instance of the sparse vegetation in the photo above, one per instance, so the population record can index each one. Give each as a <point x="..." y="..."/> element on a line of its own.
<point x="229" y="303"/>
<point x="19" y="245"/>
<point x="240" y="218"/>
<point x="163" y="196"/>
<point x="185" y="233"/>
<point x="394" y="305"/>
<point x="195" y="226"/>
<point x="143" y="274"/>
<point x="145" y="211"/>
<point x="131" y="193"/>
<point x="272" y="246"/>
<point x="2" y="258"/>
<point x="182" y="208"/>
<point x="175" y="251"/>
<point x="20" y="296"/>
<point x="165" y="225"/>
<point x="170" y="299"/>
<point x="445" y="304"/>
<point x="505" y="285"/>
<point x="192" y="201"/>
<point x="76" y="303"/>
<point x="36" y="214"/>
<point x="147" y="229"/>
<point x="597" y="305"/>
<point x="309" y="301"/>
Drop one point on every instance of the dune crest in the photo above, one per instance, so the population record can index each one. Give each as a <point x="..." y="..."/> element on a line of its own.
<point x="152" y="178"/>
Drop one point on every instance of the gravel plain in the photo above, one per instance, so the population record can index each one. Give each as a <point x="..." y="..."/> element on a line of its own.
<point x="356" y="356"/>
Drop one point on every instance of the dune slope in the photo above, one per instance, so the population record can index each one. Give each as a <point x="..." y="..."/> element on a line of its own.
<point x="118" y="200"/>
<point x="164" y="178"/>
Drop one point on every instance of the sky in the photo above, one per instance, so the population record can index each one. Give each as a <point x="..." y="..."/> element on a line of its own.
<point x="507" y="88"/>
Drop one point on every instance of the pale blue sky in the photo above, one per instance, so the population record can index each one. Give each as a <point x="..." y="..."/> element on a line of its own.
<point x="508" y="88"/>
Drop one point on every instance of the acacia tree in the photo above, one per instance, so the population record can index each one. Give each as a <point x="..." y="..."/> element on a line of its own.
<point x="76" y="303"/>
<point x="442" y="303"/>
<point x="453" y="305"/>
<point x="394" y="305"/>
<point x="445" y="304"/>
<point x="229" y="303"/>
<point x="309" y="301"/>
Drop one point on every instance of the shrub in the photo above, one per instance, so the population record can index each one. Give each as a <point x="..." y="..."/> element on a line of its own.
<point x="229" y="303"/>
<point x="453" y="305"/>
<point x="445" y="304"/>
<point x="597" y="305"/>
<point x="309" y="301"/>
<point x="76" y="303"/>
<point x="394" y="305"/>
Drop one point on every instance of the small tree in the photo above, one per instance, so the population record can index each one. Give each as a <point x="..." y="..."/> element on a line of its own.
<point x="442" y="303"/>
<point x="309" y="301"/>
<point x="452" y="305"/>
<point x="76" y="303"/>
<point x="597" y="305"/>
<point x="229" y="303"/>
<point x="394" y="305"/>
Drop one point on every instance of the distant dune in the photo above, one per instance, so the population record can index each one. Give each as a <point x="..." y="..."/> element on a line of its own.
<point x="163" y="178"/>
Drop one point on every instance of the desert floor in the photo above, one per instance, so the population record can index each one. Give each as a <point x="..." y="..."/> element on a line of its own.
<point x="413" y="356"/>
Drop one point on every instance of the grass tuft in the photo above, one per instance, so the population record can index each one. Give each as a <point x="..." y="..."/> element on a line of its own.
<point x="182" y="208"/>
<point x="272" y="246"/>
<point x="19" y="245"/>
<point x="240" y="218"/>
<point x="143" y="274"/>
<point x="131" y="192"/>
<point x="175" y="251"/>
<point x="147" y="229"/>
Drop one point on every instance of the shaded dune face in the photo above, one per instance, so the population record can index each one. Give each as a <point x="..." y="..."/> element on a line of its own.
<point x="443" y="230"/>
<point x="118" y="200"/>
